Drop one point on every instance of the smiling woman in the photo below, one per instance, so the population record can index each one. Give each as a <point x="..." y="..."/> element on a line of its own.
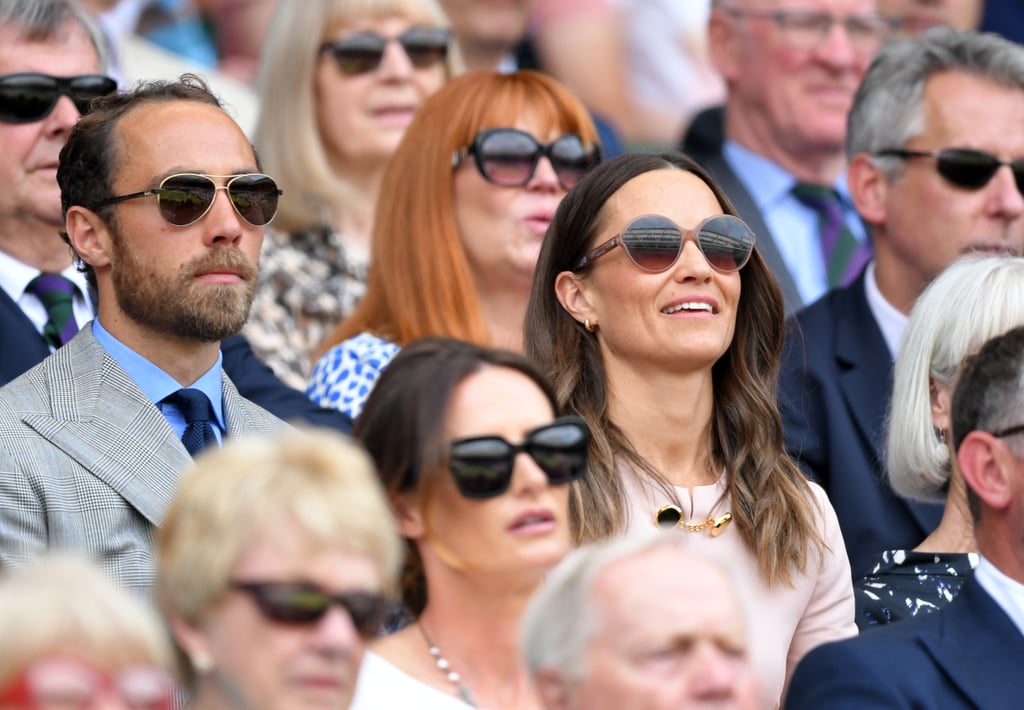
<point x="661" y="326"/>
<point x="477" y="464"/>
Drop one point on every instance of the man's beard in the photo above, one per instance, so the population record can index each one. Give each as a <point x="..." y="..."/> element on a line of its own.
<point x="179" y="305"/>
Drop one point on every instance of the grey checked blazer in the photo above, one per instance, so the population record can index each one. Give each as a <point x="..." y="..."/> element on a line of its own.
<point x="88" y="463"/>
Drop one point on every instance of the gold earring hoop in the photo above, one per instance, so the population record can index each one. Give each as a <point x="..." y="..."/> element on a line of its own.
<point x="591" y="327"/>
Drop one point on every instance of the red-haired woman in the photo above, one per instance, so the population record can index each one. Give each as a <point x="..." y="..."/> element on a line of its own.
<point x="463" y="209"/>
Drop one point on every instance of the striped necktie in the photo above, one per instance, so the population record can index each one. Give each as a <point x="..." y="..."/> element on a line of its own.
<point x="844" y="255"/>
<point x="56" y="294"/>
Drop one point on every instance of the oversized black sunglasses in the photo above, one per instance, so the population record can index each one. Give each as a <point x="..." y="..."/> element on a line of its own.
<point x="509" y="156"/>
<point x="30" y="96"/>
<point x="307" y="603"/>
<point x="185" y="198"/>
<point x="363" y="52"/>
<point x="482" y="465"/>
<point x="654" y="243"/>
<point x="964" y="167"/>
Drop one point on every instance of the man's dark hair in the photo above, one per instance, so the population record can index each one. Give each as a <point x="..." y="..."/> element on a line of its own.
<point x="989" y="395"/>
<point x="91" y="154"/>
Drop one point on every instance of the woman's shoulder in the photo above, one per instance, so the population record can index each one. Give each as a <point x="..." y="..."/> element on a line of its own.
<point x="365" y="348"/>
<point x="382" y="684"/>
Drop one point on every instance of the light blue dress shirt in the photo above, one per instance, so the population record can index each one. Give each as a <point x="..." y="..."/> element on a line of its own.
<point x="157" y="384"/>
<point x="793" y="224"/>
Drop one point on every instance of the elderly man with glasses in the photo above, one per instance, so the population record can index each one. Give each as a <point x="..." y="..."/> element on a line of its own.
<point x="936" y="171"/>
<point x="966" y="655"/>
<point x="164" y="205"/>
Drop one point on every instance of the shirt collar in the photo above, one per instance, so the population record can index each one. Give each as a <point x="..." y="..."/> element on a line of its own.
<point x="154" y="382"/>
<point x="15" y="277"/>
<point x="1008" y="593"/>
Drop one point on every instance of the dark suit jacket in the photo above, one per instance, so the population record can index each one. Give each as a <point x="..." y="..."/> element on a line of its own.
<point x="834" y="394"/>
<point x="703" y="142"/>
<point x="967" y="655"/>
<point x="23" y="348"/>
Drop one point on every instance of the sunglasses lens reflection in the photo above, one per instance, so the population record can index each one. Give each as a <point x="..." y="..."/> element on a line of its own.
<point x="362" y="53"/>
<point x="185" y="199"/>
<point x="509" y="157"/>
<point x="654" y="243"/>
<point x="31" y="97"/>
<point x="482" y="467"/>
<point x="306" y="604"/>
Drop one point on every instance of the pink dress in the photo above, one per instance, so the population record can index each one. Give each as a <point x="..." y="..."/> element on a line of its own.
<point x="785" y="622"/>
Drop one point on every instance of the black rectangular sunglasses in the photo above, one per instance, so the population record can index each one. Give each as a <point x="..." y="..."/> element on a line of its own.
<point x="964" y="167"/>
<point x="363" y="52"/>
<point x="482" y="466"/>
<point x="307" y="603"/>
<point x="30" y="96"/>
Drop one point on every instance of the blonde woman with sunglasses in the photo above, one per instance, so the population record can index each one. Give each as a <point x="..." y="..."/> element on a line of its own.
<point x="661" y="326"/>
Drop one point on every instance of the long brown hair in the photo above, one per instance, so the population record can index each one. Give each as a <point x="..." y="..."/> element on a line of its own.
<point x="772" y="504"/>
<point x="419" y="282"/>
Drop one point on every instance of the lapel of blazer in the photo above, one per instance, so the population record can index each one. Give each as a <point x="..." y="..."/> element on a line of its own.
<point x="30" y="348"/>
<point x="101" y="419"/>
<point x="750" y="213"/>
<point x="978" y="647"/>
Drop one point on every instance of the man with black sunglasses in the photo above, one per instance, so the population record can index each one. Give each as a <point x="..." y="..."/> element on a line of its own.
<point x="164" y="206"/>
<point x="936" y="169"/>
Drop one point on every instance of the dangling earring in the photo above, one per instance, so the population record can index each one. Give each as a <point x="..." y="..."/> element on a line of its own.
<point x="591" y="327"/>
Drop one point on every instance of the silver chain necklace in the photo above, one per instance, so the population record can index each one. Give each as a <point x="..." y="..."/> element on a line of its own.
<point x="445" y="667"/>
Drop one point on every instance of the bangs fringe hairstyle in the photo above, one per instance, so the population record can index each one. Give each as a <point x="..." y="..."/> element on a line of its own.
<point x="318" y="481"/>
<point x="420" y="282"/>
<point x="404" y="421"/>
<point x="772" y="504"/>
<point x="62" y="604"/>
<point x="287" y="132"/>
<point x="989" y="295"/>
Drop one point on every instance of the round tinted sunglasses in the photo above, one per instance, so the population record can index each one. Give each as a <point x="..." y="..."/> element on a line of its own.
<point x="186" y="198"/>
<point x="30" y="96"/>
<point x="307" y="603"/>
<point x="363" y="52"/>
<point x="509" y="157"/>
<point x="483" y="465"/>
<point x="964" y="167"/>
<point x="654" y="243"/>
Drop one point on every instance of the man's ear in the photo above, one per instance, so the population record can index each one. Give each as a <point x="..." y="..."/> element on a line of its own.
<point x="986" y="465"/>
<point x="725" y="45"/>
<point x="89" y="236"/>
<point x="570" y="290"/>
<point x="554" y="689"/>
<point x="868" y="188"/>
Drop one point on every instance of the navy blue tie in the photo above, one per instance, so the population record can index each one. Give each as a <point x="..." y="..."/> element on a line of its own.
<point x="196" y="409"/>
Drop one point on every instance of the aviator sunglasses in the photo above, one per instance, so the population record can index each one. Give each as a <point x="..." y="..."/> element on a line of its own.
<point x="482" y="466"/>
<point x="307" y="603"/>
<point x="654" y="243"/>
<point x="964" y="167"/>
<point x="31" y="96"/>
<point x="509" y="157"/>
<point x="185" y="198"/>
<point x="363" y="52"/>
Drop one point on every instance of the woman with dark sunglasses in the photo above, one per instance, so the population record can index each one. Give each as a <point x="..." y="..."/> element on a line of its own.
<point x="69" y="638"/>
<point x="277" y="562"/>
<point x="661" y="326"/>
<point x="476" y="464"/>
<point x="464" y="207"/>
<point x="339" y="83"/>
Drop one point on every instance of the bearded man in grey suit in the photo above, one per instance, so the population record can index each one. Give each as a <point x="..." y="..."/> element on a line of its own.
<point x="164" y="207"/>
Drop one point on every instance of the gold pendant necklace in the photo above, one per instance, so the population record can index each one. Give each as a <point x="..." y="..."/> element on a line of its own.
<point x="671" y="516"/>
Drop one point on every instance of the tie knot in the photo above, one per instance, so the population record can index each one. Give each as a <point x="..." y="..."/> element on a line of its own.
<point x="193" y="405"/>
<point x="816" y="196"/>
<point x="50" y="285"/>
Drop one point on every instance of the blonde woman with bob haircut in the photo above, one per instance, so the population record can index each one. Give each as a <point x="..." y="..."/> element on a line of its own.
<point x="661" y="326"/>
<point x="975" y="299"/>
<point x="465" y="204"/>
<point x="277" y="563"/>
<point x="340" y="81"/>
<point x="71" y="639"/>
